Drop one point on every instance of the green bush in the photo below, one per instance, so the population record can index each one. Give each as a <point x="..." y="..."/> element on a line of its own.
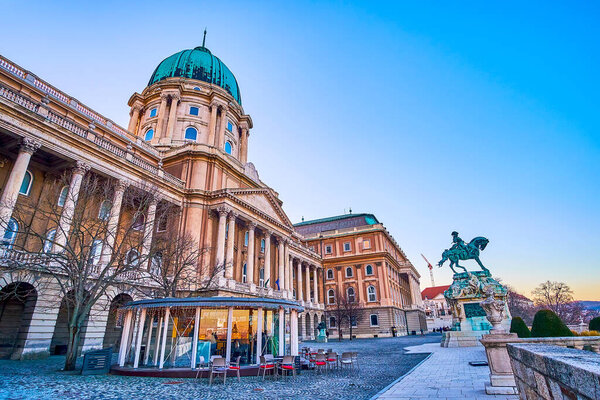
<point x="595" y="324"/>
<point x="518" y="326"/>
<point x="547" y="324"/>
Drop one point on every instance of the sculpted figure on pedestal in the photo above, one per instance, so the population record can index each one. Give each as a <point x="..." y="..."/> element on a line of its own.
<point x="462" y="251"/>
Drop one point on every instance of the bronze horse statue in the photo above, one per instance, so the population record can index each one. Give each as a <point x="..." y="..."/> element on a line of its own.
<point x="462" y="251"/>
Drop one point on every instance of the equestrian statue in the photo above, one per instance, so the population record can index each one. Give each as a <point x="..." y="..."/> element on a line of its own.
<point x="462" y="251"/>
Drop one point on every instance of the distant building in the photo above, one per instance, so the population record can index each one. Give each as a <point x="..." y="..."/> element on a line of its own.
<point x="363" y="262"/>
<point x="437" y="312"/>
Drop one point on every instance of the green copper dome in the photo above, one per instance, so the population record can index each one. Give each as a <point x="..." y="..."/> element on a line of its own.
<point x="201" y="64"/>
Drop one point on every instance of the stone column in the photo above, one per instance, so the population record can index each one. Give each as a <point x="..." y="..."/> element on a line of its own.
<point x="294" y="332"/>
<point x="66" y="218"/>
<point x="161" y="116"/>
<point x="230" y="246"/>
<point x="268" y="282"/>
<point x="223" y="126"/>
<point x="221" y="239"/>
<point x="172" y="117"/>
<point x="14" y="181"/>
<point x="149" y="229"/>
<point x="289" y="271"/>
<point x="229" y="332"/>
<point x="244" y="144"/>
<point x="281" y="332"/>
<point x="300" y="296"/>
<point x="259" y="331"/>
<point x="307" y="271"/>
<point x="135" y="117"/>
<point x="113" y="221"/>
<point x="250" y="260"/>
<point x="282" y="273"/>
<point x="316" y="285"/>
<point x="212" y="126"/>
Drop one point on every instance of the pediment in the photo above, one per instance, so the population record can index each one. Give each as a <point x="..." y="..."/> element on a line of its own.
<point x="264" y="201"/>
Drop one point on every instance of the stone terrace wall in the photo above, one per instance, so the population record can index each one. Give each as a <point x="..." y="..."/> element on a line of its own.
<point x="552" y="372"/>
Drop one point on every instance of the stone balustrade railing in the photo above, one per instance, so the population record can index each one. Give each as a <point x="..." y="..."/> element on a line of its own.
<point x="88" y="134"/>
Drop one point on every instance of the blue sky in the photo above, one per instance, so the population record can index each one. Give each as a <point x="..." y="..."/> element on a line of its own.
<point x="476" y="117"/>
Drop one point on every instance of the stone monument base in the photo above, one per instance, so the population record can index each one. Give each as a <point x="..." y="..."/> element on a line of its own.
<point x="462" y="338"/>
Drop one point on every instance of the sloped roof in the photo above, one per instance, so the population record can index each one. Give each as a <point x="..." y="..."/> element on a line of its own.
<point x="336" y="222"/>
<point x="431" y="292"/>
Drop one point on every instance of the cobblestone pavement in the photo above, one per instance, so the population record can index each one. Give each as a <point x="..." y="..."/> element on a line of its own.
<point x="446" y="374"/>
<point x="381" y="362"/>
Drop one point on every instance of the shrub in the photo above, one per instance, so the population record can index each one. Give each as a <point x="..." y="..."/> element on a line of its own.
<point x="547" y="324"/>
<point x="589" y="333"/>
<point x="518" y="326"/>
<point x="595" y="324"/>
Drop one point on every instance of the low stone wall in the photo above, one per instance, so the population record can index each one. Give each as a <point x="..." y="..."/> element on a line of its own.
<point x="551" y="372"/>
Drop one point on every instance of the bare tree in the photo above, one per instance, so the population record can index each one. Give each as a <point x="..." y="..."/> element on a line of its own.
<point x="76" y="238"/>
<point x="337" y="311"/>
<point x="520" y="306"/>
<point x="346" y="310"/>
<point x="554" y="296"/>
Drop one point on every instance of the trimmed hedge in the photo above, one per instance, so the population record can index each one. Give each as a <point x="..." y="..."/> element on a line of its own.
<point x="518" y="326"/>
<point x="595" y="324"/>
<point x="547" y="324"/>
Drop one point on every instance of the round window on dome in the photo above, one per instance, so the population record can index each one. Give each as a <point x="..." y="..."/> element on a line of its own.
<point x="228" y="147"/>
<point x="191" y="133"/>
<point x="149" y="135"/>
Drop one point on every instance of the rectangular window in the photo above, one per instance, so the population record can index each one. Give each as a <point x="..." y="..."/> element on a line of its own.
<point x="347" y="246"/>
<point x="153" y="112"/>
<point x="354" y="322"/>
<point x="229" y="126"/>
<point x="366" y="244"/>
<point x="374" y="320"/>
<point x="328" y="249"/>
<point x="194" y="110"/>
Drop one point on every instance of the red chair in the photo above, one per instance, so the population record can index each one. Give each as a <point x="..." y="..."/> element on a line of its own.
<point x="235" y="366"/>
<point x="321" y="362"/>
<point x="287" y="365"/>
<point x="265" y="366"/>
<point x="332" y="358"/>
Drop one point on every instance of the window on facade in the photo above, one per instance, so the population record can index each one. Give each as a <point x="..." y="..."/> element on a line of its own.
<point x="330" y="296"/>
<point x="191" y="133"/>
<point x="294" y="293"/>
<point x="49" y="241"/>
<point x="194" y="110"/>
<point x="26" y="184"/>
<point x="371" y="293"/>
<point x="10" y="234"/>
<point x="153" y="112"/>
<point x="163" y="223"/>
<point x="369" y="269"/>
<point x="332" y="322"/>
<point x="132" y="258"/>
<point x="350" y="295"/>
<point x="374" y="320"/>
<point x="262" y="245"/>
<point x="330" y="274"/>
<point x="347" y="246"/>
<point x="366" y="244"/>
<point x="95" y="252"/>
<point x="328" y="249"/>
<point x="197" y="88"/>
<point x="156" y="264"/>
<point x="354" y="322"/>
<point x="138" y="221"/>
<point x="104" y="211"/>
<point x="149" y="135"/>
<point x="229" y="126"/>
<point x="244" y="273"/>
<point x="62" y="197"/>
<point x="349" y="272"/>
<point x="246" y="235"/>
<point x="261" y="277"/>
<point x="226" y="231"/>
<point x="228" y="147"/>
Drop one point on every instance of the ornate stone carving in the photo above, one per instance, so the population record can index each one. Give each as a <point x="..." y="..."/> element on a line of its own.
<point x="252" y="225"/>
<point x="81" y="168"/>
<point x="222" y="210"/>
<point x="164" y="97"/>
<point x="121" y="185"/>
<point x="29" y="145"/>
<point x="494" y="309"/>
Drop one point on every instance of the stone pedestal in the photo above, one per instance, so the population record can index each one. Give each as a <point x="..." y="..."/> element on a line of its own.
<point x="461" y="338"/>
<point x="502" y="380"/>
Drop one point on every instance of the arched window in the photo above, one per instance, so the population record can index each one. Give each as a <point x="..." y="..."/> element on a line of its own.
<point x="163" y="223"/>
<point x="62" y="197"/>
<point x="95" y="252"/>
<point x="330" y="296"/>
<point x="371" y="293"/>
<point x="261" y="277"/>
<point x="132" y="258"/>
<point x="194" y="110"/>
<point x="149" y="135"/>
<point x="349" y="272"/>
<point x="369" y="269"/>
<point x="262" y="245"/>
<point x="350" y="295"/>
<point x="197" y="88"/>
<point x="104" y="211"/>
<point x="156" y="264"/>
<point x="138" y="221"/>
<point x="329" y="273"/>
<point x="10" y="234"/>
<point x="26" y="184"/>
<point x="246" y="239"/>
<point x="49" y="241"/>
<point x="228" y="147"/>
<point x="332" y="322"/>
<point x="191" y="133"/>
<point x="244" y="273"/>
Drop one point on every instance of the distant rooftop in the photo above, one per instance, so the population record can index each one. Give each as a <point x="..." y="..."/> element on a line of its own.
<point x="337" y="222"/>
<point x="431" y="292"/>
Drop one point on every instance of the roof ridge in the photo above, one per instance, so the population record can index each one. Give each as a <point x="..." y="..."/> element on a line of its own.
<point x="334" y="218"/>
